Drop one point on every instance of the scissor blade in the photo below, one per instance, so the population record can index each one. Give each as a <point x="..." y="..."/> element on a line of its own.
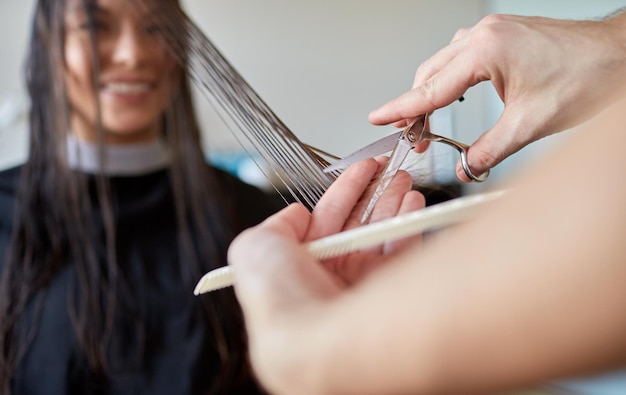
<point x="395" y="161"/>
<point x="376" y="148"/>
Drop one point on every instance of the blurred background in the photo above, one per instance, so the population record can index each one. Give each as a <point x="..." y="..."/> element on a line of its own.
<point x="322" y="66"/>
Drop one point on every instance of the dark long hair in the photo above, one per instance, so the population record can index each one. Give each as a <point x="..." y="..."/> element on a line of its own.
<point x="54" y="222"/>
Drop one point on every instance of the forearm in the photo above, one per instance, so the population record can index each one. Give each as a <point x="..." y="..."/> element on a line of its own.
<point x="535" y="300"/>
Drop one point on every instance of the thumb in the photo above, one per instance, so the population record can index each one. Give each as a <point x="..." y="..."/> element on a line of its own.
<point x="506" y="137"/>
<point x="256" y="276"/>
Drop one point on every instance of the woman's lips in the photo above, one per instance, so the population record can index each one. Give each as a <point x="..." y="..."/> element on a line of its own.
<point x="128" y="92"/>
<point x="127" y="87"/>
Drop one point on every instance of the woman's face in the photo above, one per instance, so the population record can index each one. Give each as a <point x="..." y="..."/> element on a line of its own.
<point x="136" y="72"/>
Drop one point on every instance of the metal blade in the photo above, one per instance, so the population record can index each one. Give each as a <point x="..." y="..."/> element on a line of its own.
<point x="376" y="148"/>
<point x="402" y="149"/>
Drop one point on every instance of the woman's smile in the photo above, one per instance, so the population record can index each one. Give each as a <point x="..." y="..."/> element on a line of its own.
<point x="127" y="91"/>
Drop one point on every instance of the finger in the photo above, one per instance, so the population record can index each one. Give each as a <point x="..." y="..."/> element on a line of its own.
<point x="409" y="105"/>
<point x="402" y="123"/>
<point x="395" y="110"/>
<point x="437" y="62"/>
<point x="391" y="200"/>
<point x="354" y="219"/>
<point x="336" y="205"/>
<point x="354" y="267"/>
<point x="422" y="146"/>
<point x="386" y="207"/>
<point x="439" y="90"/>
<point x="264" y="285"/>
<point x="411" y="201"/>
<point x="289" y="225"/>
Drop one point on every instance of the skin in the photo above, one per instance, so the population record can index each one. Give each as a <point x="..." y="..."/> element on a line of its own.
<point x="550" y="74"/>
<point x="529" y="291"/>
<point x="486" y="306"/>
<point x="136" y="75"/>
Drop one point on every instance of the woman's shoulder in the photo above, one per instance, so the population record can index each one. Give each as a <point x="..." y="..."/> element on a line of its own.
<point x="9" y="179"/>
<point x="231" y="182"/>
<point x="250" y="201"/>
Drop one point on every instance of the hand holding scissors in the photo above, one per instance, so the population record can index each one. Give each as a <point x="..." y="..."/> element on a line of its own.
<point x="402" y="142"/>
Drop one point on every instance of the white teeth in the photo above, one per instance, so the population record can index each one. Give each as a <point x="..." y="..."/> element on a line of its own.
<point x="124" y="87"/>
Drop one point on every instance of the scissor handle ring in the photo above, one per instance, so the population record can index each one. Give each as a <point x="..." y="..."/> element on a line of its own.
<point x="462" y="148"/>
<point x="466" y="169"/>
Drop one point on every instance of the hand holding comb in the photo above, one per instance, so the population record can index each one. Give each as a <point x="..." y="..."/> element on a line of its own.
<point x="342" y="243"/>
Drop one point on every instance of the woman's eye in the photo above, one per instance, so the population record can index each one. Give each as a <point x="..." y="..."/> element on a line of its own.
<point x="155" y="28"/>
<point x="97" y="26"/>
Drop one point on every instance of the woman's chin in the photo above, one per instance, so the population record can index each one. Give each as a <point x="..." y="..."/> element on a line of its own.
<point x="130" y="135"/>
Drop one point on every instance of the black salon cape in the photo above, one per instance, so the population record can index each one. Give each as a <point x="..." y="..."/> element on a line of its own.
<point x="55" y="364"/>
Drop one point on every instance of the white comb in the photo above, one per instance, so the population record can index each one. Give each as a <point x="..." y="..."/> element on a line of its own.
<point x="352" y="240"/>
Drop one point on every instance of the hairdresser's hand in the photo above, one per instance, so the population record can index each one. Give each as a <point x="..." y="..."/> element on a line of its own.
<point x="550" y="74"/>
<point x="277" y="280"/>
<point x="340" y="209"/>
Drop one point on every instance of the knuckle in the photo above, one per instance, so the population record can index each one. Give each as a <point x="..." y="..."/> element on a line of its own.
<point x="492" y="19"/>
<point x="492" y="33"/>
<point x="427" y="91"/>
<point x="460" y="33"/>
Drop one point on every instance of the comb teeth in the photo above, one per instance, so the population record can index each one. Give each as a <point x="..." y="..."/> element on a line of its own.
<point x="214" y="280"/>
<point x="321" y="251"/>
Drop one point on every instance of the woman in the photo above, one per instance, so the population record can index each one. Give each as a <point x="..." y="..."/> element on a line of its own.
<point x="114" y="217"/>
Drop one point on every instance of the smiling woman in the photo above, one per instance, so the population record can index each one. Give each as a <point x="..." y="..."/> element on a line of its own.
<point x="114" y="217"/>
<point x="136" y="73"/>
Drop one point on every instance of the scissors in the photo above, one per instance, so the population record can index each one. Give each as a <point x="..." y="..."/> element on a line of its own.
<point x="401" y="142"/>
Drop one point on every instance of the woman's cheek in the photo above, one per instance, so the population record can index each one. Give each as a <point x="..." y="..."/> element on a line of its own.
<point x="76" y="60"/>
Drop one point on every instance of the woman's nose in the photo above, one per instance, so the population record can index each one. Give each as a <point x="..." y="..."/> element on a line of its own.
<point x="132" y="46"/>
